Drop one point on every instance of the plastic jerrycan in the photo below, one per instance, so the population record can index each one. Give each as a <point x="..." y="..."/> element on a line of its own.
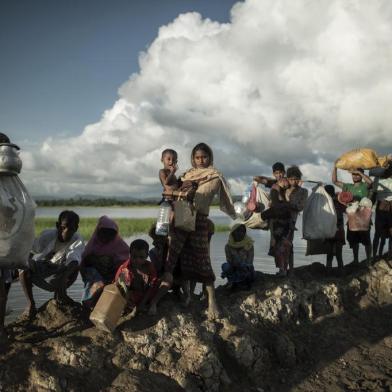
<point x="108" y="309"/>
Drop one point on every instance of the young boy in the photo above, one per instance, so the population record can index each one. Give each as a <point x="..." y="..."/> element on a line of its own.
<point x="278" y="171"/>
<point x="167" y="175"/>
<point x="288" y="198"/>
<point x="137" y="277"/>
<point x="277" y="184"/>
<point x="239" y="251"/>
<point x="360" y="188"/>
<point x="54" y="261"/>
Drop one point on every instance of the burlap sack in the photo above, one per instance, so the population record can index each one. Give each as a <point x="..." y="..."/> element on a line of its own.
<point x="184" y="215"/>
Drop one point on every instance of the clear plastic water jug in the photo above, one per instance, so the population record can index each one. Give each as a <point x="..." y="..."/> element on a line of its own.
<point x="163" y="221"/>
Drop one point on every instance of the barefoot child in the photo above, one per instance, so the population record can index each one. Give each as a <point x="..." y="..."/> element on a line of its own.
<point x="279" y="173"/>
<point x="137" y="277"/>
<point x="239" y="255"/>
<point x="288" y="198"/>
<point x="167" y="175"/>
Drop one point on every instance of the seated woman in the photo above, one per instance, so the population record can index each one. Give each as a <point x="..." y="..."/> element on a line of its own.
<point x="104" y="253"/>
<point x="239" y="255"/>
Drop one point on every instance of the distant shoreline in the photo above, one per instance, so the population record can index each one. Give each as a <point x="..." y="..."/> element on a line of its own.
<point x="127" y="226"/>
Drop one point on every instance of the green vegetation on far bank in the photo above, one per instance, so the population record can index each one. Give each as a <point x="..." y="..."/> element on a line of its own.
<point x="128" y="226"/>
<point x="98" y="202"/>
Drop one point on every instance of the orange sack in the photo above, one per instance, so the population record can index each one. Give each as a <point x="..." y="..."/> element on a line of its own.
<point x="364" y="158"/>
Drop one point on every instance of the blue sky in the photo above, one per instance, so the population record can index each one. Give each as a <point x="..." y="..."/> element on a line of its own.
<point x="62" y="61"/>
<point x="93" y="91"/>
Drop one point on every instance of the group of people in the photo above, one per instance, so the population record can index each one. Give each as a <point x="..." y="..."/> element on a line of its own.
<point x="182" y="258"/>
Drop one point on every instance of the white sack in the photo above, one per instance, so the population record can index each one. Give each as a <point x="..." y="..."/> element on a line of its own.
<point x="17" y="211"/>
<point x="262" y="198"/>
<point x="319" y="217"/>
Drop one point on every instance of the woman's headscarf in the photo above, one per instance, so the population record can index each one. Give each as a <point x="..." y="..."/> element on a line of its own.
<point x="245" y="243"/>
<point x="116" y="248"/>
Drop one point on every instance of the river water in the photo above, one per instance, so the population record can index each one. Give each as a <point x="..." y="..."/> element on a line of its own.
<point x="262" y="261"/>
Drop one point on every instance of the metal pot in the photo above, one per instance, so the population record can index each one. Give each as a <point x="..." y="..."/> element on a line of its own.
<point x="10" y="163"/>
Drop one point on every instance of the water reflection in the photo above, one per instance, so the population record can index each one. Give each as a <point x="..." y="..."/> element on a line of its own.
<point x="262" y="261"/>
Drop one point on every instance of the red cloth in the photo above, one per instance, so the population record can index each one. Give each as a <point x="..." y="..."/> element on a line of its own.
<point x="146" y="281"/>
<point x="345" y="197"/>
<point x="252" y="203"/>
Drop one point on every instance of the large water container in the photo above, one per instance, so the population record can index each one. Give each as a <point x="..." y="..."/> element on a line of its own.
<point x="163" y="220"/>
<point x="16" y="211"/>
<point x="108" y="309"/>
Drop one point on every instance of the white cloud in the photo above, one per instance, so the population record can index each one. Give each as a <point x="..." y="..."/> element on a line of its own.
<point x="295" y="81"/>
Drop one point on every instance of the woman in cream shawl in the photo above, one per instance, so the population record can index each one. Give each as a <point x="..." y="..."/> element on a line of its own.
<point x="191" y="249"/>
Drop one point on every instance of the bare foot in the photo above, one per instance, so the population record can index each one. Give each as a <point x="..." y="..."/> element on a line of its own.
<point x="153" y="310"/>
<point x="133" y="312"/>
<point x="213" y="312"/>
<point x="29" y="313"/>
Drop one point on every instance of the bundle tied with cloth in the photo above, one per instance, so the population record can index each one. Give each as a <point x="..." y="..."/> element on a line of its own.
<point x="17" y="210"/>
<point x="364" y="158"/>
<point x="359" y="215"/>
<point x="259" y="201"/>
<point x="199" y="185"/>
<point x="318" y="221"/>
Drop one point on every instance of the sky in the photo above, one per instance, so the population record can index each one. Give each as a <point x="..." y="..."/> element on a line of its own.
<point x="93" y="91"/>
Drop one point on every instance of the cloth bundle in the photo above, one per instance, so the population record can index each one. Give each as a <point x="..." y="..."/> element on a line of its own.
<point x="364" y="158"/>
<point x="319" y="216"/>
<point x="359" y="215"/>
<point x="259" y="201"/>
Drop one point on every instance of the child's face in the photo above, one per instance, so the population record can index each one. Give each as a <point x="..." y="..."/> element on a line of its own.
<point x="278" y="174"/>
<point x="294" y="182"/>
<point x="138" y="256"/>
<point x="201" y="159"/>
<point x="239" y="233"/>
<point x="169" y="161"/>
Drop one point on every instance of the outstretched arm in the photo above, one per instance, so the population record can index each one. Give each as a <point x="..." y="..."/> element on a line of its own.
<point x="267" y="181"/>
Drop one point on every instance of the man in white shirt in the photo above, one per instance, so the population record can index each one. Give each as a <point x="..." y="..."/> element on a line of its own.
<point x="54" y="261"/>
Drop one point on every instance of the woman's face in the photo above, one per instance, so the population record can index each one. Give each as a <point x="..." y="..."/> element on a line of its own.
<point x="201" y="159"/>
<point x="106" y="235"/>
